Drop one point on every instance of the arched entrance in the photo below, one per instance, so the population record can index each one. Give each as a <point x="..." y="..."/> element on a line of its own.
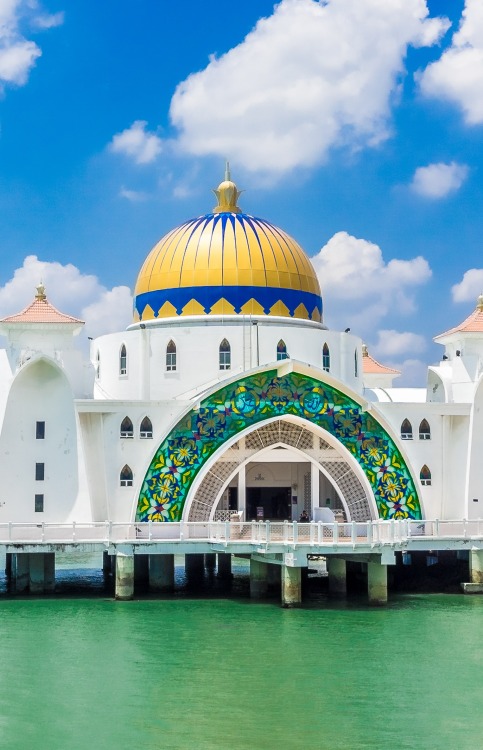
<point x="205" y="432"/>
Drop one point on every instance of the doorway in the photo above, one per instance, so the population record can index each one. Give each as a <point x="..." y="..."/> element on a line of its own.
<point x="273" y="502"/>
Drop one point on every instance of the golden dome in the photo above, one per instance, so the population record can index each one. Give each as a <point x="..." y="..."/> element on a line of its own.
<point x="227" y="263"/>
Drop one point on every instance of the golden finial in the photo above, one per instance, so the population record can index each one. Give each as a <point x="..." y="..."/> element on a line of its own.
<point x="479" y="303"/>
<point x="227" y="194"/>
<point x="40" y="292"/>
<point x="365" y="351"/>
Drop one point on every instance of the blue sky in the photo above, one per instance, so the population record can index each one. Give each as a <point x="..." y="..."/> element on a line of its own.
<point x="356" y="125"/>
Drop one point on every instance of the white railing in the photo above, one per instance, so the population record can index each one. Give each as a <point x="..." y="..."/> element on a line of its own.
<point x="355" y="534"/>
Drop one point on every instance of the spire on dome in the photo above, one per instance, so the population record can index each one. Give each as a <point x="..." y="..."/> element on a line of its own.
<point x="227" y="194"/>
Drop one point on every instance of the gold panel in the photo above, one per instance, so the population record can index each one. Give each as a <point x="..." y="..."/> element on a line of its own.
<point x="280" y="309"/>
<point x="148" y="313"/>
<point x="135" y="316"/>
<point x="252" y="307"/>
<point x="222" y="307"/>
<point x="193" y="308"/>
<point x="167" y="311"/>
<point x="301" y="312"/>
<point x="316" y="315"/>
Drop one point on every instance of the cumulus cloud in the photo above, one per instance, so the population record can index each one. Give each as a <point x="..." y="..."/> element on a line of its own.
<point x="458" y="74"/>
<point x="311" y="76"/>
<point x="49" y="20"/>
<point x="438" y="180"/>
<point x="73" y="292"/>
<point x="360" y="288"/>
<point x="391" y="343"/>
<point x="470" y="286"/>
<point x="135" y="196"/>
<point x="137" y="143"/>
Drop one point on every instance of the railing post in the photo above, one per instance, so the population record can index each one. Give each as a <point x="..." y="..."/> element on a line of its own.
<point x="254" y="535"/>
<point x="181" y="530"/>
<point x="465" y="528"/>
<point x="9" y="531"/>
<point x="267" y="531"/>
<point x="295" y="533"/>
<point x="110" y="532"/>
<point x="353" y="534"/>
<point x="319" y="533"/>
<point x="150" y="529"/>
<point x="285" y="532"/>
<point x="43" y="532"/>
<point x="312" y="533"/>
<point x="227" y="532"/>
<point x="335" y="533"/>
<point x="393" y="530"/>
<point x="369" y="533"/>
<point x="73" y="531"/>
<point x="436" y="524"/>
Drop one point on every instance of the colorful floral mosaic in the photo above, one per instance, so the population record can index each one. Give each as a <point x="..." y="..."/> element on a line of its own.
<point x="239" y="405"/>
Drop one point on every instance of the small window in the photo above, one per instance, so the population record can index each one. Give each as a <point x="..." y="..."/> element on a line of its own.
<point x="406" y="430"/>
<point x="356" y="364"/>
<point x="146" y="429"/>
<point x="39" y="503"/>
<point x="171" y="357"/>
<point x="39" y="472"/>
<point x="424" y="431"/>
<point x="98" y="366"/>
<point x="40" y="430"/>
<point x="326" y="358"/>
<point x="282" y="350"/>
<point x="225" y="355"/>
<point x="425" y="476"/>
<point x="127" y="429"/>
<point x="123" y="361"/>
<point x="126" y="476"/>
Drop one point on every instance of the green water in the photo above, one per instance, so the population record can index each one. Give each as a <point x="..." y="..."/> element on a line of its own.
<point x="202" y="674"/>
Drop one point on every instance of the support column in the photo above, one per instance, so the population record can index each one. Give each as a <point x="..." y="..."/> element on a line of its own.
<point x="8" y="565"/>
<point x="314" y="488"/>
<point x="475" y="586"/>
<point x="242" y="492"/>
<point x="141" y="570"/>
<point x="36" y="573"/>
<point x="210" y="561"/>
<point x="20" y="572"/>
<point x="224" y="566"/>
<point x="106" y="563"/>
<point x="274" y="576"/>
<point x="377" y="583"/>
<point x="258" y="579"/>
<point x="49" y="572"/>
<point x="291" y="586"/>
<point x="337" y="570"/>
<point x="161" y="573"/>
<point x="194" y="566"/>
<point x="124" y="576"/>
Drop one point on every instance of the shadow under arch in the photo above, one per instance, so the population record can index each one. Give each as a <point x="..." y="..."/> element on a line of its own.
<point x="255" y="398"/>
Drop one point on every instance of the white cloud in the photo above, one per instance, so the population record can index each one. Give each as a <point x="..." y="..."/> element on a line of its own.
<point x="137" y="143"/>
<point x="360" y="288"/>
<point x="49" y="20"/>
<point x="391" y="343"/>
<point x="414" y="373"/>
<point x="311" y="76"/>
<point x="82" y="295"/>
<point x="135" y="196"/>
<point x="457" y="76"/>
<point x="470" y="286"/>
<point x="438" y="180"/>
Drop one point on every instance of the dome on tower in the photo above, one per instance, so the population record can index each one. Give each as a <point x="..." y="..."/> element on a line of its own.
<point x="227" y="263"/>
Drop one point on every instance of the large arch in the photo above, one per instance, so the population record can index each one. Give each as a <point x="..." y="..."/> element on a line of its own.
<point x="228" y="411"/>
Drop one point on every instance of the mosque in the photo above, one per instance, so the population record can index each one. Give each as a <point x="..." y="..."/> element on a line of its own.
<point x="228" y="397"/>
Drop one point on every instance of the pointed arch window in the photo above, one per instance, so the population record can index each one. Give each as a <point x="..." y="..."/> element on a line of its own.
<point x="326" y="358"/>
<point x="127" y="429"/>
<point x="146" y="429"/>
<point x="98" y="365"/>
<point x="125" y="477"/>
<point x="225" y="355"/>
<point x="406" y="430"/>
<point x="356" y="364"/>
<point x="123" y="360"/>
<point x="425" y="476"/>
<point x="171" y="357"/>
<point x="424" y="430"/>
<point x="282" y="350"/>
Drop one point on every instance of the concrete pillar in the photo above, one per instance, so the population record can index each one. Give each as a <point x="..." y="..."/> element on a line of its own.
<point x="8" y="565"/>
<point x="224" y="566"/>
<point x="274" y="574"/>
<point x="291" y="586"/>
<point x="141" y="570"/>
<point x="20" y="572"/>
<point x="36" y="573"/>
<point x="161" y="572"/>
<point x="49" y="572"/>
<point x="314" y="488"/>
<point x="377" y="583"/>
<point x="242" y="492"/>
<point x="107" y="563"/>
<point x="258" y="579"/>
<point x="337" y="570"/>
<point x="124" y="576"/>
<point x="476" y="566"/>
<point x="194" y="566"/>
<point x="210" y="561"/>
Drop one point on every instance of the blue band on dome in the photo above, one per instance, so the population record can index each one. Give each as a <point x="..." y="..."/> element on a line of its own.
<point x="238" y="296"/>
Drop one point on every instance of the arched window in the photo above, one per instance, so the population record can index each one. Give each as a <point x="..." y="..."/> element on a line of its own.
<point x="326" y="358"/>
<point x="406" y="430"/>
<point x="125" y="477"/>
<point x="98" y="365"/>
<point x="425" y="476"/>
<point x="123" y="361"/>
<point x="424" y="431"/>
<point x="146" y="429"/>
<point x="282" y="350"/>
<point x="225" y="355"/>
<point x="356" y="364"/>
<point x="171" y="357"/>
<point x="127" y="430"/>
